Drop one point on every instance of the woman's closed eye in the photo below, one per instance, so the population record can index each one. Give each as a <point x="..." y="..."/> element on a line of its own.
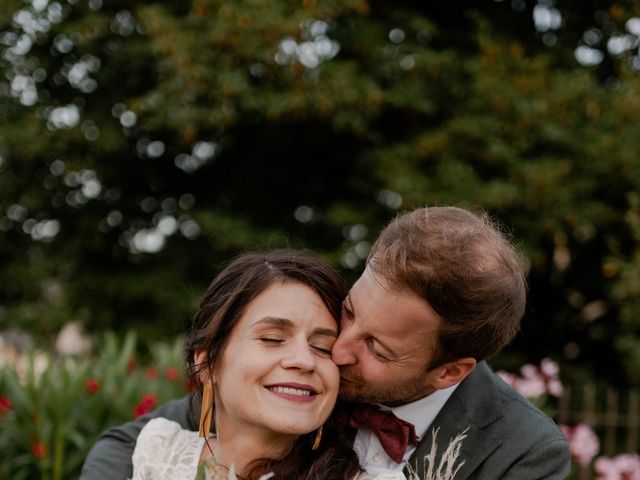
<point x="271" y="340"/>
<point x="324" y="350"/>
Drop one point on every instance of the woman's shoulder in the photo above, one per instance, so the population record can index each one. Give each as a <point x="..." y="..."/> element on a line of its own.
<point x="164" y="428"/>
<point x="164" y="450"/>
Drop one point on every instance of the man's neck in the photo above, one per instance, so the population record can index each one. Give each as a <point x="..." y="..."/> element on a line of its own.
<point x="406" y="401"/>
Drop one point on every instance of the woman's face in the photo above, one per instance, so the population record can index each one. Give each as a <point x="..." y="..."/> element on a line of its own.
<point x="276" y="373"/>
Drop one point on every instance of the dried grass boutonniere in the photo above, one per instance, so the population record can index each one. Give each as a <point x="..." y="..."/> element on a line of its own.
<point x="449" y="463"/>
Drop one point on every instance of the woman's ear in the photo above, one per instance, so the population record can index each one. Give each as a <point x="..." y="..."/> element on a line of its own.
<point x="200" y="359"/>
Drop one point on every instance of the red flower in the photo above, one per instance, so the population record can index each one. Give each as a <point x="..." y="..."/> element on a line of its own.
<point x="139" y="410"/>
<point x="152" y="373"/>
<point x="190" y="384"/>
<point x="131" y="365"/>
<point x="146" y="404"/>
<point x="39" y="449"/>
<point x="5" y="405"/>
<point x="171" y="373"/>
<point x="91" y="385"/>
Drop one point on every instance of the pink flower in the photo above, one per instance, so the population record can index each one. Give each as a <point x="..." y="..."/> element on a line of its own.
<point x="535" y="381"/>
<point x="554" y="387"/>
<point x="530" y="371"/>
<point x="531" y="387"/>
<point x="551" y="373"/>
<point x="509" y="378"/>
<point x="625" y="466"/>
<point x="532" y="384"/>
<point x="583" y="443"/>
<point x="549" y="368"/>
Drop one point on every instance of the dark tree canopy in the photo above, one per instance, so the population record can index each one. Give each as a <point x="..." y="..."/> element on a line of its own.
<point x="143" y="143"/>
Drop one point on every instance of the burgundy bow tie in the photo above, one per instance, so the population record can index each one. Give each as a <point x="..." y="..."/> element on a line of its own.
<point x="394" y="433"/>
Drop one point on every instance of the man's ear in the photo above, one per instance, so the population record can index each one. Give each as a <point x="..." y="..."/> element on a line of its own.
<point x="450" y="373"/>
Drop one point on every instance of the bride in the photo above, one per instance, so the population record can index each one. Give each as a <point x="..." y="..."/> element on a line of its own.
<point x="260" y="351"/>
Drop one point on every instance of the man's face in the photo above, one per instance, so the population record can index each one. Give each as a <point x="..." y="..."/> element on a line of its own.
<point x="387" y="340"/>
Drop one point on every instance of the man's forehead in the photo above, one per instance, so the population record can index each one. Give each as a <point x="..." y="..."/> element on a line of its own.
<point x="389" y="311"/>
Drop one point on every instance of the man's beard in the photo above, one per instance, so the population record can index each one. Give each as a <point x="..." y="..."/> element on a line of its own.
<point x="356" y="390"/>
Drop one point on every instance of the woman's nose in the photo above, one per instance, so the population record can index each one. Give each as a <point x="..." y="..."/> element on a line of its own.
<point x="300" y="356"/>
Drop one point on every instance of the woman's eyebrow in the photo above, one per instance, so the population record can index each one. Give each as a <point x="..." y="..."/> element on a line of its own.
<point x="283" y="323"/>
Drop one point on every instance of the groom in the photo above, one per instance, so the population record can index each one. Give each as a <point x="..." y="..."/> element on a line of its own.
<point x="443" y="289"/>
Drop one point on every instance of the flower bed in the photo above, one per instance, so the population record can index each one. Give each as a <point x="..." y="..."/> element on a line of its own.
<point x="541" y="384"/>
<point x="52" y="408"/>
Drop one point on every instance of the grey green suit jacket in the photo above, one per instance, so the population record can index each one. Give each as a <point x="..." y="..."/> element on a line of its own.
<point x="508" y="438"/>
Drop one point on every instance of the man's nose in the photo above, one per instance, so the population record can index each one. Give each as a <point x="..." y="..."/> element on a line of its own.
<point x="343" y="350"/>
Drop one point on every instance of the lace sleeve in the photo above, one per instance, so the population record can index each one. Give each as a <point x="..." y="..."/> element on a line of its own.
<point x="381" y="476"/>
<point x="165" y="451"/>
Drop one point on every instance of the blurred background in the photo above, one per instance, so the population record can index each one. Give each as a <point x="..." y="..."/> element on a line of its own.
<point x="144" y="143"/>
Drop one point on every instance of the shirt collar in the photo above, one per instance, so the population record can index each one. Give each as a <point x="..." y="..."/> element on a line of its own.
<point x="422" y="412"/>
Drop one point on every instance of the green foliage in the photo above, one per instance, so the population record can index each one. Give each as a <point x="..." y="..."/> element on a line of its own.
<point x="52" y="409"/>
<point x="60" y="405"/>
<point x="165" y="137"/>
<point x="625" y="269"/>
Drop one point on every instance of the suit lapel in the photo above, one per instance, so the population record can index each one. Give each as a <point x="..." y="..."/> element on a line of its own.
<point x="473" y="406"/>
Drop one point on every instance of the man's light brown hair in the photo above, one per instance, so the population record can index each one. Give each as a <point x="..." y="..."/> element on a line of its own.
<point x="465" y="267"/>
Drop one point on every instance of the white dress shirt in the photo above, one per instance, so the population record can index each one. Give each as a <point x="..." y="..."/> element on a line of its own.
<point x="420" y="413"/>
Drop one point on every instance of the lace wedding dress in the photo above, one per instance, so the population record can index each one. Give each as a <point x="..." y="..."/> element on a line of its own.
<point x="165" y="451"/>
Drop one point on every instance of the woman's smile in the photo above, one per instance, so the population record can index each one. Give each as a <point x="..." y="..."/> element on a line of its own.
<point x="294" y="392"/>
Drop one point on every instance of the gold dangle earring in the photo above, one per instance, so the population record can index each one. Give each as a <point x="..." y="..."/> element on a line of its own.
<point x="316" y="442"/>
<point x="206" y="410"/>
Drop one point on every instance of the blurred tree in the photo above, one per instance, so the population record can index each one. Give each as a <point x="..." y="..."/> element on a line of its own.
<point x="142" y="143"/>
